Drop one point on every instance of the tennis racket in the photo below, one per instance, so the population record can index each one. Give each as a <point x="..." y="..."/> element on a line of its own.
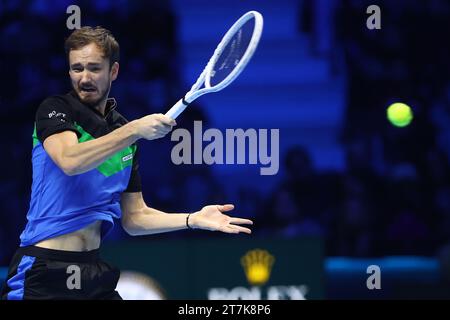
<point x="229" y="59"/>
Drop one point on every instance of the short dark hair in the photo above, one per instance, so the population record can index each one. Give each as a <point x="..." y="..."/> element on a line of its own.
<point x="102" y="37"/>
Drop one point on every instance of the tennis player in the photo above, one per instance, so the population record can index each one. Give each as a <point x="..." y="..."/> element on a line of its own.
<point x="86" y="175"/>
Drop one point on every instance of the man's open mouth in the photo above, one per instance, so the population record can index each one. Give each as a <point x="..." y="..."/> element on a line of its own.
<point x="88" y="89"/>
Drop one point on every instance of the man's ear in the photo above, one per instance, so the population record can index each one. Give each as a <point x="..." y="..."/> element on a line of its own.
<point x="114" y="71"/>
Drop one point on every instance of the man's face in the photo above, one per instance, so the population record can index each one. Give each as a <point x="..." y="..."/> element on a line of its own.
<point x="90" y="74"/>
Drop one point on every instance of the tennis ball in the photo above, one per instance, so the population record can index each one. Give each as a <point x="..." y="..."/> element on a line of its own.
<point x="399" y="114"/>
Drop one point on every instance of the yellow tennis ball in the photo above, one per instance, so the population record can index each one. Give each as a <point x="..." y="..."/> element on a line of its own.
<point x="399" y="114"/>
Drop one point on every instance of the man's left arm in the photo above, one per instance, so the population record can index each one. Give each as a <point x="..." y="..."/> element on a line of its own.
<point x="139" y="219"/>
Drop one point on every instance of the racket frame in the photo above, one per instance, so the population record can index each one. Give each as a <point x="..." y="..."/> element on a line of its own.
<point x="205" y="76"/>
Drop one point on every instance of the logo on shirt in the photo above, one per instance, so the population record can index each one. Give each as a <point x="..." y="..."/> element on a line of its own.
<point x="56" y="115"/>
<point x="127" y="157"/>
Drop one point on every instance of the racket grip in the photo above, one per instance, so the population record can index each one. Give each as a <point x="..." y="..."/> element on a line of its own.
<point x="177" y="108"/>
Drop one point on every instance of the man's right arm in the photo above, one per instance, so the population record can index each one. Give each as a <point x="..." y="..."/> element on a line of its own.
<point x="76" y="158"/>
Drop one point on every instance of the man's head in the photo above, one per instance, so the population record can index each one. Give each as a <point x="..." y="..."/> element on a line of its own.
<point x="93" y="56"/>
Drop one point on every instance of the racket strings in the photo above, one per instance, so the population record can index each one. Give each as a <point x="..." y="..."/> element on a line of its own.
<point x="235" y="54"/>
<point x="232" y="53"/>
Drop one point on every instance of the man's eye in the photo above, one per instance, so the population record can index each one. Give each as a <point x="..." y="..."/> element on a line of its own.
<point x="76" y="70"/>
<point x="95" y="69"/>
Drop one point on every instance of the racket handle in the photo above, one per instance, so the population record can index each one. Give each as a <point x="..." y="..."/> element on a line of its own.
<point x="177" y="108"/>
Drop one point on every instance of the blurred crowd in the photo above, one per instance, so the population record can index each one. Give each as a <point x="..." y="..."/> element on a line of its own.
<point x="392" y="198"/>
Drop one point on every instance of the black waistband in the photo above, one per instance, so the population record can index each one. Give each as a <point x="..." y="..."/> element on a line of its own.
<point x="60" y="255"/>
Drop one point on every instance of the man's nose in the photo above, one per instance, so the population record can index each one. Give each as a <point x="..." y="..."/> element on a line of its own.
<point x="85" y="77"/>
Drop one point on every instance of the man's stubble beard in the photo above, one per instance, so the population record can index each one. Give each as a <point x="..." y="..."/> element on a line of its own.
<point x="96" y="103"/>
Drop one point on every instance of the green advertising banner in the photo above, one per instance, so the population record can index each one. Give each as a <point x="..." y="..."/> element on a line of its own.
<point x="239" y="268"/>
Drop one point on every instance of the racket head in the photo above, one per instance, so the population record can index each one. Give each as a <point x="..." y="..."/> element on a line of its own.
<point x="234" y="51"/>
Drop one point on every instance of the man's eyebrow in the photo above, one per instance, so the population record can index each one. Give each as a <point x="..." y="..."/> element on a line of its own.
<point x="75" y="65"/>
<point x="94" y="64"/>
<point x="90" y="64"/>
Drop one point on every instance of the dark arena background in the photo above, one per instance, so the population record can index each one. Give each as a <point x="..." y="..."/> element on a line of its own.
<point x="359" y="206"/>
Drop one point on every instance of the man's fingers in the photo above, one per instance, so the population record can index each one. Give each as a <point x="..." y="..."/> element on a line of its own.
<point x="226" y="207"/>
<point x="167" y="126"/>
<point x="238" y="229"/>
<point x="166" y="120"/>
<point x="163" y="130"/>
<point x="240" y="221"/>
<point x="163" y="126"/>
<point x="229" y="229"/>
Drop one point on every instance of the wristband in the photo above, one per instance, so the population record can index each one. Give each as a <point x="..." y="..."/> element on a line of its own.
<point x="187" y="221"/>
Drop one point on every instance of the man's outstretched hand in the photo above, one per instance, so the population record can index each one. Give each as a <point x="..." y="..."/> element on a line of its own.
<point x="213" y="218"/>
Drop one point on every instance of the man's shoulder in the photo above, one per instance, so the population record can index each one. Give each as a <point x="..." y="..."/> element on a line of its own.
<point x="57" y="100"/>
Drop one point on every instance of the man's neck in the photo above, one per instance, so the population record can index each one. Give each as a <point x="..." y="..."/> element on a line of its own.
<point x="102" y="106"/>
